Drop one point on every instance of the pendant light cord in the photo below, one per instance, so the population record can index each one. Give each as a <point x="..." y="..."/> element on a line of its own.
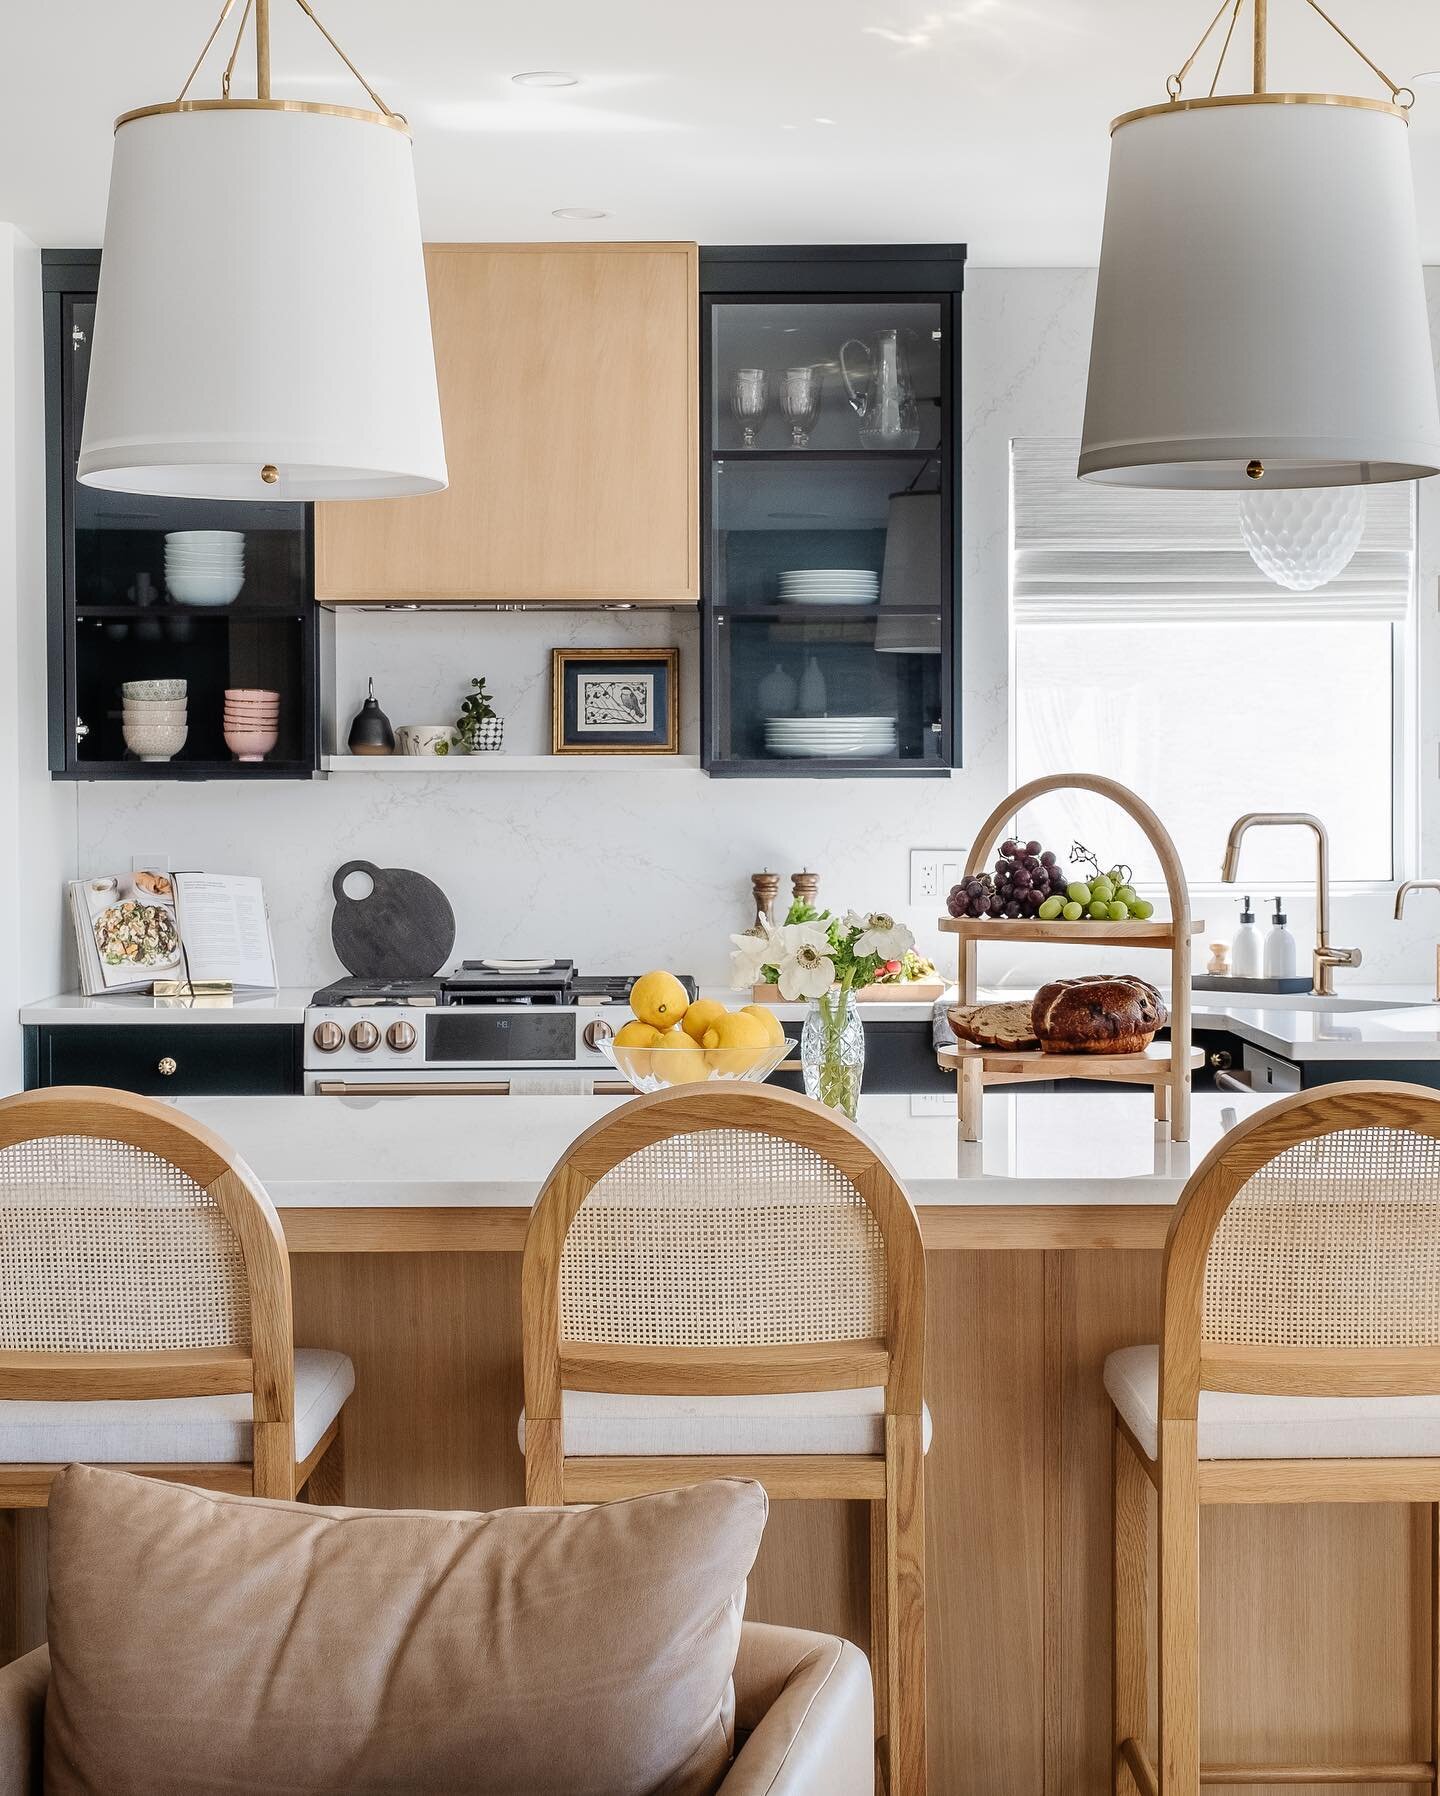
<point x="309" y="12"/>
<point x="1174" y="84"/>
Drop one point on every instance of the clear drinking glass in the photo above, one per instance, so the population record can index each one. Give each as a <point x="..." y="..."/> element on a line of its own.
<point x="800" y="392"/>
<point x="749" y="401"/>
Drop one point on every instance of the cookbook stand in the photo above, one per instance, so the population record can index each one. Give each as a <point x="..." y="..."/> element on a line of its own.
<point x="1165" y="1066"/>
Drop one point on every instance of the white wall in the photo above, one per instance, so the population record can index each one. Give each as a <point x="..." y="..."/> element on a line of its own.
<point x="626" y="870"/>
<point x="37" y="815"/>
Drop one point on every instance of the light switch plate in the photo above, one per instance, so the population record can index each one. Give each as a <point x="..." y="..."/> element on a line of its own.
<point x="932" y="873"/>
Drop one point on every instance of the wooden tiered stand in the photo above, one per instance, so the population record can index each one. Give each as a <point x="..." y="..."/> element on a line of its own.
<point x="1166" y="1067"/>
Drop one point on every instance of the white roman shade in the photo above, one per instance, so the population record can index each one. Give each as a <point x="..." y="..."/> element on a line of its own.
<point x="1115" y="554"/>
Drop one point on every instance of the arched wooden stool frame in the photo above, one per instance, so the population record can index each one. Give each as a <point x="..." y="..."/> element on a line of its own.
<point x="267" y="1371"/>
<point x="1189" y="1364"/>
<point x="892" y="1483"/>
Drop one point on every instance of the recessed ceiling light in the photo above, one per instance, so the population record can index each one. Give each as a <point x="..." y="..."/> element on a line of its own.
<point x="1430" y="78"/>
<point x="578" y="212"/>
<point x="824" y="121"/>
<point x="546" y="78"/>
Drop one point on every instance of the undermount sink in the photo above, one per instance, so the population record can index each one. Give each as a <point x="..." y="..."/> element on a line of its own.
<point x="1418" y="1019"/>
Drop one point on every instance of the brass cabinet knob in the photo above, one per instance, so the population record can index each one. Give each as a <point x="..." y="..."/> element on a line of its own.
<point x="401" y="1036"/>
<point x="166" y="1065"/>
<point x="364" y="1037"/>
<point x="328" y="1037"/>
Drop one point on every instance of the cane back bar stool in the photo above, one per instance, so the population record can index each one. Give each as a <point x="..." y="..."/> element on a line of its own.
<point x="145" y="1308"/>
<point x="1299" y="1362"/>
<point x="730" y="1282"/>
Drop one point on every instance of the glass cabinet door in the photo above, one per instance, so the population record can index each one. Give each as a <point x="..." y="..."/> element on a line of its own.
<point x="214" y="594"/>
<point x="828" y="590"/>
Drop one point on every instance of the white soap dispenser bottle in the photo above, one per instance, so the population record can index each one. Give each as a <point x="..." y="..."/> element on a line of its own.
<point x="1247" y="951"/>
<point x="1279" y="947"/>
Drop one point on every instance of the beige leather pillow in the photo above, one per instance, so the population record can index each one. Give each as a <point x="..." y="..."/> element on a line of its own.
<point x="226" y="1645"/>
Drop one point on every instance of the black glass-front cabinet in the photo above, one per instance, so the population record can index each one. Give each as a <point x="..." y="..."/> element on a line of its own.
<point x="122" y="609"/>
<point x="830" y="510"/>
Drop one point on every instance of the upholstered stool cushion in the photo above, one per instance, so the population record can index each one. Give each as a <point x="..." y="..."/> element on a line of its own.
<point x="1235" y="1425"/>
<point x="602" y="1425"/>
<point x="171" y="1430"/>
<point x="229" y="1644"/>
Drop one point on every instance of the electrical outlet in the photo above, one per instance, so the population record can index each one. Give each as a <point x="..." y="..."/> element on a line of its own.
<point x="933" y="1103"/>
<point x="932" y="873"/>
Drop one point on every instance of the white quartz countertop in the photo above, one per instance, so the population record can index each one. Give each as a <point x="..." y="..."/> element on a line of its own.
<point x="284" y="1006"/>
<point x="1074" y="1148"/>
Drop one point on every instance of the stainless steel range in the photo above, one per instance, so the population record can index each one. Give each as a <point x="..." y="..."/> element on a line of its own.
<point x="490" y="1028"/>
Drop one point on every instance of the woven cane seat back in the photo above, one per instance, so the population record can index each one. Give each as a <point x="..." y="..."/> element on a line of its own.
<point x="723" y="1238"/>
<point x="1333" y="1243"/>
<point x="107" y="1248"/>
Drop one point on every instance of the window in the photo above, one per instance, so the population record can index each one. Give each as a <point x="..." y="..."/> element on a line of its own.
<point x="1147" y="646"/>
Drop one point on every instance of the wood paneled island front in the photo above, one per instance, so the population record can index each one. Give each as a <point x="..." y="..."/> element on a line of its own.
<point x="406" y="1217"/>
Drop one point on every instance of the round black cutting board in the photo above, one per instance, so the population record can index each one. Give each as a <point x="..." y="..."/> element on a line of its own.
<point x="405" y="929"/>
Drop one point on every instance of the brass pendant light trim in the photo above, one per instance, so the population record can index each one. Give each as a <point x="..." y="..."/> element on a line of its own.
<point x="393" y="120"/>
<point x="1354" y="100"/>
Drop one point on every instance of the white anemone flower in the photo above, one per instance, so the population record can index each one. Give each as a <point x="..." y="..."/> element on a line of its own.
<point x="752" y="954"/>
<point x="790" y="938"/>
<point x="807" y="973"/>
<point x="880" y="934"/>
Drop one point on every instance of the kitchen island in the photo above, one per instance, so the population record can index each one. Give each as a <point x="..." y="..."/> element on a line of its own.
<point x="406" y="1216"/>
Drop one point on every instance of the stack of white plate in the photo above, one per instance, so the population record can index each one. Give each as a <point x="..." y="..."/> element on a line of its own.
<point x="204" y="567"/>
<point x="829" y="586"/>
<point x="816" y="738"/>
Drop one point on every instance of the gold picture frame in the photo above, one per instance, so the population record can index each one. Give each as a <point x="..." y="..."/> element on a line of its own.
<point x="615" y="701"/>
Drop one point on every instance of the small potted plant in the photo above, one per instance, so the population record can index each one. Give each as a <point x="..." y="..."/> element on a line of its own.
<point x="479" y="729"/>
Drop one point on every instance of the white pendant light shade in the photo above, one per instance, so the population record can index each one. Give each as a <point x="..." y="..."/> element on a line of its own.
<point x="1260" y="300"/>
<point x="262" y="306"/>
<point x="1304" y="537"/>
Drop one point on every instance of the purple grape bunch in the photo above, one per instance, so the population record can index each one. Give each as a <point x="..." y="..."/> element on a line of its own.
<point x="1025" y="876"/>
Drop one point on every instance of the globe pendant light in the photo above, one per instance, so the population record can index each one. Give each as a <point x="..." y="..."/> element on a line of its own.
<point x="262" y="328"/>
<point x="1303" y="537"/>
<point x="1260" y="313"/>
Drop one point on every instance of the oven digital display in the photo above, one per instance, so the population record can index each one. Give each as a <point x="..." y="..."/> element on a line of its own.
<point x="462" y="1036"/>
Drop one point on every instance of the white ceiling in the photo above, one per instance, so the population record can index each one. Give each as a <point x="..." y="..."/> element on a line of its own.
<point x="981" y="121"/>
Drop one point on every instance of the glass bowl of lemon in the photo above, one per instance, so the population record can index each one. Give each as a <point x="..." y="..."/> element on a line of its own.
<point x="672" y="1041"/>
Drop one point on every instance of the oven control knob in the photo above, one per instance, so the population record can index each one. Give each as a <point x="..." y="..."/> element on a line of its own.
<point x="401" y="1036"/>
<point x="328" y="1037"/>
<point x="594" y="1033"/>
<point x="364" y="1037"/>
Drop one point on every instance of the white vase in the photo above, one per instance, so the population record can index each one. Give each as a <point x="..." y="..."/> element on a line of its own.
<point x="812" y="689"/>
<point x="777" y="692"/>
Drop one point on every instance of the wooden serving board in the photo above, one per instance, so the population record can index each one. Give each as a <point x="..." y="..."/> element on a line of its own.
<point x="915" y="991"/>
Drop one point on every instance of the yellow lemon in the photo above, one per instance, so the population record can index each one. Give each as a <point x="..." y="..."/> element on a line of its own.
<point x="677" y="1060"/>
<point x="636" y="1039"/>
<point x="703" y="1014"/>
<point x="735" y="1043"/>
<point x="659" y="999"/>
<point x="769" y="1021"/>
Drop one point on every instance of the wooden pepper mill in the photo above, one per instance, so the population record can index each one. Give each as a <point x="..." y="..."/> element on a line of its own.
<point x="806" y="889"/>
<point x="766" y="887"/>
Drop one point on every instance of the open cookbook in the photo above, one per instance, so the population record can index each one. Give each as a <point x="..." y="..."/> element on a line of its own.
<point x="133" y="930"/>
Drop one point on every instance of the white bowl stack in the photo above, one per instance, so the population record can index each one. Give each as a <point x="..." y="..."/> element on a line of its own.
<point x="830" y="738"/>
<point x="829" y="586"/>
<point x="204" y="567"/>
<point x="154" y="718"/>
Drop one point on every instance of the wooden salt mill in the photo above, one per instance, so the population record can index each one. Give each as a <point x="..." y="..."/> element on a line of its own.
<point x="766" y="887"/>
<point x="806" y="889"/>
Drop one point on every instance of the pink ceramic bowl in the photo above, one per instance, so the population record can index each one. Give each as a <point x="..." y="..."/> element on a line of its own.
<point x="261" y="693"/>
<point x="250" y="745"/>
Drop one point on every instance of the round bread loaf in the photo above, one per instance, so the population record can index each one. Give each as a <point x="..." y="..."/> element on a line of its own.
<point x="1101" y="1013"/>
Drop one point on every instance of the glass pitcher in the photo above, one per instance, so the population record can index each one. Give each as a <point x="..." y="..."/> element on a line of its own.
<point x="884" y="401"/>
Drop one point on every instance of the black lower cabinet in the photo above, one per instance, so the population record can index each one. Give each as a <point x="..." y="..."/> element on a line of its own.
<point x="189" y="1060"/>
<point x="899" y="1058"/>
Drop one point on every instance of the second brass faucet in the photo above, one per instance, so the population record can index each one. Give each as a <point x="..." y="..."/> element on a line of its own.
<point x="1419" y="885"/>
<point x="1325" y="958"/>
